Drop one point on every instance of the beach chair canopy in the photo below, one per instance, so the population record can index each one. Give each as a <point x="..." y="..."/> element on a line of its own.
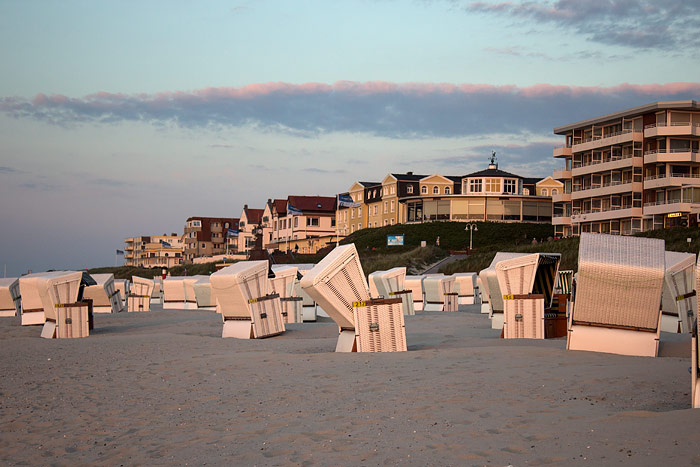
<point x="385" y="283"/>
<point x="489" y="280"/>
<point x="235" y="285"/>
<point x="284" y="280"/>
<point x="48" y="289"/>
<point x="530" y="274"/>
<point x="142" y="287"/>
<point x="10" y="298"/>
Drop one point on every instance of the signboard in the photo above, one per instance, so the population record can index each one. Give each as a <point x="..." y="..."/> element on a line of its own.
<point x="674" y="214"/>
<point x="394" y="240"/>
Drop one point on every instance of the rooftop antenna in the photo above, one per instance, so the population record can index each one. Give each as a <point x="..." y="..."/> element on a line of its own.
<point x="493" y="164"/>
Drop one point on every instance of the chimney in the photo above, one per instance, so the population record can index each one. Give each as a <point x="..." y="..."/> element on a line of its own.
<point x="245" y="206"/>
<point x="409" y="173"/>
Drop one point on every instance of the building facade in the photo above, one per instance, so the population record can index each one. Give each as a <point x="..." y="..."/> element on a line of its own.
<point x="154" y="251"/>
<point x="630" y="171"/>
<point x="207" y="236"/>
<point x="303" y="220"/>
<point x="250" y="220"/>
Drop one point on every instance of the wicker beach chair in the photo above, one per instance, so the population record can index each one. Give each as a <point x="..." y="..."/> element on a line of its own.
<point x="678" y="302"/>
<point x="618" y="295"/>
<point x="527" y="285"/>
<point x="122" y="285"/>
<point x="104" y="295"/>
<point x="283" y="285"/>
<point x="309" y="308"/>
<point x="202" y="293"/>
<point x="42" y="291"/>
<point x="465" y="285"/>
<point x="175" y="295"/>
<point x="439" y="293"/>
<point x="248" y="310"/>
<point x="392" y="284"/>
<point x="157" y="293"/>
<point x="379" y="325"/>
<point x="10" y="298"/>
<point x="140" y="294"/>
<point x="415" y="285"/>
<point x="335" y="283"/>
<point x="483" y="296"/>
<point x="489" y="282"/>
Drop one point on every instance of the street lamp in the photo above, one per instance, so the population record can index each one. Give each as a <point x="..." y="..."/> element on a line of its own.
<point x="471" y="228"/>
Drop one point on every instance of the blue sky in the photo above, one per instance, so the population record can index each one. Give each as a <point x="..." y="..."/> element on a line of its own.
<point x="126" y="117"/>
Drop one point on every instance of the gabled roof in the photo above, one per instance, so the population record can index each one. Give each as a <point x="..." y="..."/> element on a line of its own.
<point x="531" y="180"/>
<point x="254" y="216"/>
<point x="280" y="207"/>
<point x="313" y="203"/>
<point x="368" y="184"/>
<point x="436" y="176"/>
<point x="408" y="177"/>
<point x="454" y="178"/>
<point x="492" y="173"/>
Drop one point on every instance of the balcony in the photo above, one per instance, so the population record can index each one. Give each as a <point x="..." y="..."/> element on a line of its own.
<point x="672" y="129"/>
<point x="561" y="220"/>
<point x="617" y="163"/>
<point x="672" y="205"/>
<point x="624" y="136"/>
<point x="671" y="155"/>
<point x="561" y="197"/>
<point x="610" y="214"/>
<point x="674" y="180"/>
<point x="561" y="174"/>
<point x="562" y="151"/>
<point x="604" y="189"/>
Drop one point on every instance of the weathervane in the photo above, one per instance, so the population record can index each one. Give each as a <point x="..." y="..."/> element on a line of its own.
<point x="493" y="164"/>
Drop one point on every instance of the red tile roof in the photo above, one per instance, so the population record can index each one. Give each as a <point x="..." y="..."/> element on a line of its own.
<point x="319" y="204"/>
<point x="280" y="207"/>
<point x="254" y="215"/>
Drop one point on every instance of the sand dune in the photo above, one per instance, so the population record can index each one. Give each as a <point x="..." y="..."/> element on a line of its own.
<point x="163" y="387"/>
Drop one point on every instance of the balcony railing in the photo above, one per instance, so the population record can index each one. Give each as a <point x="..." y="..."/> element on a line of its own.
<point x="655" y="125"/>
<point x="578" y="165"/>
<point x="598" y="138"/>
<point x="673" y="175"/>
<point x="670" y="151"/>
<point x="594" y="186"/>
<point x="670" y="201"/>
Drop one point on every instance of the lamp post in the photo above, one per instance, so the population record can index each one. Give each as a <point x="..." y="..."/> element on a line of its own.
<point x="471" y="228"/>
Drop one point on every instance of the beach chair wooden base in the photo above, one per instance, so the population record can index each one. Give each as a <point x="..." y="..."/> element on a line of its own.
<point x="451" y="300"/>
<point x="33" y="317"/>
<point x="670" y="323"/>
<point x="292" y="309"/>
<point x="406" y="297"/>
<point x="497" y="319"/>
<point x="418" y="305"/>
<point x="102" y="309"/>
<point x="434" y="306"/>
<point x="308" y="313"/>
<point x="346" y="341"/>
<point x="695" y="377"/>
<point x="265" y="320"/>
<point x="7" y="313"/>
<point x="72" y="321"/>
<point x="238" y="328"/>
<point x="466" y="300"/>
<point x="138" y="303"/>
<point x="379" y="326"/>
<point x="523" y="318"/>
<point x="179" y="305"/>
<point x="612" y="340"/>
<point x="485" y="308"/>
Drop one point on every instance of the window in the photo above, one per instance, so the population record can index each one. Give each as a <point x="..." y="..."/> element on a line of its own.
<point x="204" y="245"/>
<point x="392" y="205"/>
<point x="296" y="222"/>
<point x="424" y="190"/>
<point x="475" y="186"/>
<point x="447" y="190"/>
<point x="555" y="191"/>
<point x="242" y="224"/>
<point x="493" y="185"/>
<point x="310" y="221"/>
<point x="352" y="213"/>
<point x="544" y="192"/>
<point x="392" y="221"/>
<point x="359" y="226"/>
<point x="509" y="186"/>
<point x="226" y="225"/>
<point x="332" y="222"/>
<point x="385" y="207"/>
<point x="393" y="190"/>
<point x="386" y="222"/>
<point x="352" y="228"/>
<point x="359" y="211"/>
<point x="526" y="191"/>
<point x="375" y="209"/>
<point x="436" y="190"/>
<point x="409" y="189"/>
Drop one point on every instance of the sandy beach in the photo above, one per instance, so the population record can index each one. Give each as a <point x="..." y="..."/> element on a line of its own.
<point x="164" y="388"/>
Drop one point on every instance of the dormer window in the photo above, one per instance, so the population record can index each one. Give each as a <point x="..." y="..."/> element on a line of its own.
<point x="409" y="189"/>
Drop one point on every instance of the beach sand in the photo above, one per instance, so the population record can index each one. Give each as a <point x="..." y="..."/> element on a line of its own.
<point x="164" y="388"/>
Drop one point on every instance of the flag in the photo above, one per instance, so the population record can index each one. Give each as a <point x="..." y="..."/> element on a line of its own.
<point x="292" y="211"/>
<point x="165" y="244"/>
<point x="345" y="201"/>
<point x="232" y="233"/>
<point x="120" y="252"/>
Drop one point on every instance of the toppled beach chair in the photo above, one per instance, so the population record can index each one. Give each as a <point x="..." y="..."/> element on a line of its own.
<point x="415" y="285"/>
<point x="283" y="285"/>
<point x="309" y="308"/>
<point x="202" y="293"/>
<point x="105" y="297"/>
<point x="140" y="295"/>
<point x="157" y="294"/>
<point x="527" y="285"/>
<point x="10" y="298"/>
<point x="122" y="285"/>
<point x="248" y="310"/>
<point x="335" y="283"/>
<point x="618" y="295"/>
<point x="379" y="325"/>
<point x="391" y="284"/>
<point x="489" y="282"/>
<point x="678" y="302"/>
<point x="439" y="293"/>
<point x="465" y="283"/>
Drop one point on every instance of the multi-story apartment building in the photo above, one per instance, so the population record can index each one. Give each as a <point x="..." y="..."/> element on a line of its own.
<point x="630" y="171"/>
<point x="303" y="218"/>
<point x="207" y="236"/>
<point x="154" y="251"/>
<point x="355" y="217"/>
<point x="250" y="220"/>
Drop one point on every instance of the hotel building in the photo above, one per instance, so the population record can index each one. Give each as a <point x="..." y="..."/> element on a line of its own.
<point x="630" y="171"/>
<point x="206" y="236"/>
<point x="155" y="251"/>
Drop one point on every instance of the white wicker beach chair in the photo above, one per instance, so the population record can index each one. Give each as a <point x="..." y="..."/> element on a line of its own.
<point x="140" y="294"/>
<point x="527" y="285"/>
<point x="202" y="293"/>
<point x="248" y="310"/>
<point x="10" y="297"/>
<point x="483" y="296"/>
<point x="489" y="282"/>
<point x="335" y="283"/>
<point x="678" y="302"/>
<point x="618" y="295"/>
<point x="379" y="325"/>
<point x="157" y="293"/>
<point x="122" y="285"/>
<point x="392" y="284"/>
<point x="308" y="305"/>
<point x="465" y="285"/>
<point x="439" y="293"/>
<point x="415" y="285"/>
<point x="42" y="291"/>
<point x="104" y="295"/>
<point x="283" y="285"/>
<point x="175" y="295"/>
